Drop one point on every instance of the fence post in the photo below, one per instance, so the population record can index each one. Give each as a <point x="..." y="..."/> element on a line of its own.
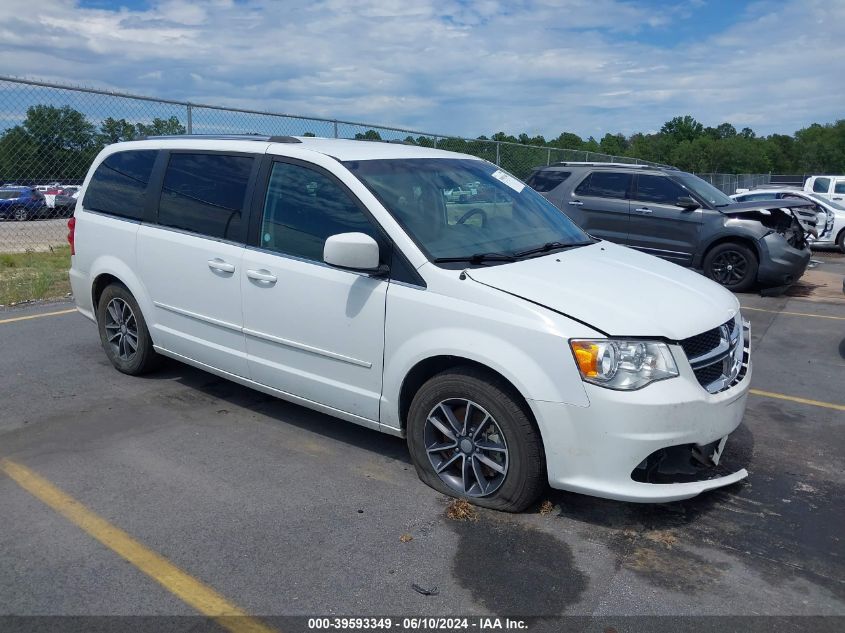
<point x="498" y="160"/>
<point x="435" y="142"/>
<point x="190" y="119"/>
<point x="335" y="128"/>
<point x="548" y="157"/>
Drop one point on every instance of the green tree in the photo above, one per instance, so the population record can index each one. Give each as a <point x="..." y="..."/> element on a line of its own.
<point x="161" y="127"/>
<point x="369" y="135"/>
<point x="115" y="131"/>
<point x="683" y="128"/>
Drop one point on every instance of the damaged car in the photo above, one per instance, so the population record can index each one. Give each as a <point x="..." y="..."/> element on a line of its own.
<point x="679" y="217"/>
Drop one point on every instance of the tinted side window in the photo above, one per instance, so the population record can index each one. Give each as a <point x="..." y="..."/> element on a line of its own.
<point x="605" y="184"/>
<point x="119" y="184"/>
<point x="839" y="187"/>
<point x="821" y="185"/>
<point x="204" y="193"/>
<point x="543" y="181"/>
<point x="659" y="189"/>
<point x="303" y="207"/>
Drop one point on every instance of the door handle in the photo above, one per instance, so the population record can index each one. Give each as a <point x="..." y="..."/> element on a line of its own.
<point x="576" y="203"/>
<point x="643" y="210"/>
<point x="261" y="275"/>
<point x="220" y="265"/>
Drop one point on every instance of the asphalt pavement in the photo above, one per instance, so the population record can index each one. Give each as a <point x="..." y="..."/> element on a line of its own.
<point x="285" y="511"/>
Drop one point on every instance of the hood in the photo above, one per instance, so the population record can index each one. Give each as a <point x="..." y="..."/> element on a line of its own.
<point x="801" y="210"/>
<point x="617" y="291"/>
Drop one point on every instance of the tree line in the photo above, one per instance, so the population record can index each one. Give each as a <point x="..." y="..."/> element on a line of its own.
<point x="60" y="143"/>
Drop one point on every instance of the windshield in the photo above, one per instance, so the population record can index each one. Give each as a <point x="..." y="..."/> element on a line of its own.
<point x="705" y="190"/>
<point x="463" y="208"/>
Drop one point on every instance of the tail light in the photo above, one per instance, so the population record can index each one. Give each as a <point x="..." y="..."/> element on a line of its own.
<point x="71" y="229"/>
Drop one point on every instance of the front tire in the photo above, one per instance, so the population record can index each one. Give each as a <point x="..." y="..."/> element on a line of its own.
<point x="732" y="265"/>
<point x="123" y="332"/>
<point x="470" y="436"/>
<point x="21" y="214"/>
<point x="840" y="241"/>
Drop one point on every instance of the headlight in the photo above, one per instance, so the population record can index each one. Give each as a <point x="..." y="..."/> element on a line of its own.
<point x="623" y="364"/>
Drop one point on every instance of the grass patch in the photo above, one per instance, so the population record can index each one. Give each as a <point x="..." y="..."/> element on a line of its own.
<point x="30" y="276"/>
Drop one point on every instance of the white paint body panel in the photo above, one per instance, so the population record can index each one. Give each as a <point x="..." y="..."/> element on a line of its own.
<point x="343" y="343"/>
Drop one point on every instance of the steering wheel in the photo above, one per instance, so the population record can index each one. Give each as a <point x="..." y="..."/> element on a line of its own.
<point x="466" y="216"/>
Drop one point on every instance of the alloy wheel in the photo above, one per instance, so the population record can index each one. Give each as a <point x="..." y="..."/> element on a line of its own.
<point x="729" y="268"/>
<point x="466" y="447"/>
<point x="121" y="329"/>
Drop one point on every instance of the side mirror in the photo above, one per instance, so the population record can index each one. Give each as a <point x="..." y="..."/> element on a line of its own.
<point x="353" y="251"/>
<point x="687" y="203"/>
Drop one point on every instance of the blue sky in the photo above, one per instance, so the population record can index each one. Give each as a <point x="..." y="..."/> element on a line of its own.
<point x="465" y="67"/>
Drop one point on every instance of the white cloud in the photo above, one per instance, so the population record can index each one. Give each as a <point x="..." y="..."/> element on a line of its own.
<point x="540" y="66"/>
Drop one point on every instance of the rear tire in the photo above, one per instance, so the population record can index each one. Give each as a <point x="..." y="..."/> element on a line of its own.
<point x="492" y="457"/>
<point x="840" y="241"/>
<point x="123" y="332"/>
<point x="732" y="265"/>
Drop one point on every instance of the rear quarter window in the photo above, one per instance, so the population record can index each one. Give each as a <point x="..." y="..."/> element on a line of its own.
<point x="119" y="184"/>
<point x="821" y="185"/>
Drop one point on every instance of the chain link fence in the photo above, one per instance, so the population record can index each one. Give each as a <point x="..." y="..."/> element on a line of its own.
<point x="50" y="133"/>
<point x="729" y="183"/>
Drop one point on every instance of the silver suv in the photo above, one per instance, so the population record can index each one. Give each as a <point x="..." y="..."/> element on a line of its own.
<point x="681" y="218"/>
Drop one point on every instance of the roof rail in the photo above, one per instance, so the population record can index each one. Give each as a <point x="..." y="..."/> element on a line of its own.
<point x="224" y="137"/>
<point x="577" y="163"/>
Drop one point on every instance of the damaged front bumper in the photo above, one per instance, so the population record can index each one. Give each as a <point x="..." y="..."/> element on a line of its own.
<point x="781" y="264"/>
<point x="650" y="445"/>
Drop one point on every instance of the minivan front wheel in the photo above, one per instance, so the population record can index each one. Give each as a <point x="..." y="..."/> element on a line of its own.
<point x="470" y="437"/>
<point x="732" y="265"/>
<point x="123" y="332"/>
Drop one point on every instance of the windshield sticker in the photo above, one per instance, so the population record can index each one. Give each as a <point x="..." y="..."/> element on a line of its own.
<point x="509" y="180"/>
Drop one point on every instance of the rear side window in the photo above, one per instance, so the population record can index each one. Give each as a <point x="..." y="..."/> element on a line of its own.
<point x="605" y="184"/>
<point x="205" y="194"/>
<point x="119" y="184"/>
<point x="547" y="180"/>
<point x="821" y="185"/>
<point x="304" y="207"/>
<point x="839" y="187"/>
<point x="659" y="189"/>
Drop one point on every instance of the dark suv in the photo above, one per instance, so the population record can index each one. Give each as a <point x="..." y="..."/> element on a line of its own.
<point x="680" y="217"/>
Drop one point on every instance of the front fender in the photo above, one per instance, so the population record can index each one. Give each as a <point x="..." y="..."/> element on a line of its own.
<point x="529" y="349"/>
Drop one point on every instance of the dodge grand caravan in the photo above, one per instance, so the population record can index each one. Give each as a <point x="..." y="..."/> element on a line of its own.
<point x="509" y="347"/>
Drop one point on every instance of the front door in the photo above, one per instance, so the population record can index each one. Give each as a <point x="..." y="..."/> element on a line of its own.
<point x="311" y="330"/>
<point x="658" y="225"/>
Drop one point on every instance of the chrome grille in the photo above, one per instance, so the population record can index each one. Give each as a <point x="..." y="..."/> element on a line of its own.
<point x="719" y="357"/>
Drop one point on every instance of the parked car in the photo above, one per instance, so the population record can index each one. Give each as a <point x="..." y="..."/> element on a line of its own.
<point x="829" y="187"/>
<point x="21" y="203"/>
<point x="681" y="218"/>
<point x="830" y="225"/>
<point x="510" y="352"/>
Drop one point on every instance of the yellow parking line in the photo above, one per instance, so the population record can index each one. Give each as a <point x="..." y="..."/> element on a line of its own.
<point x="805" y="314"/>
<point x="38" y="316"/>
<point x="185" y="587"/>
<point x="781" y="396"/>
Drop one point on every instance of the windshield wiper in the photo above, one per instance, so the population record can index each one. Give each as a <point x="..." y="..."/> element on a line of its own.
<point x="477" y="258"/>
<point x="548" y="246"/>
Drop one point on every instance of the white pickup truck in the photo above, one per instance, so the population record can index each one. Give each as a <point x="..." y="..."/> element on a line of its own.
<point x="830" y="187"/>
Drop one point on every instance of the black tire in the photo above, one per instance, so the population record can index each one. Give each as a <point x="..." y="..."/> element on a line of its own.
<point x="732" y="265"/>
<point x="21" y="214"/>
<point x="840" y="241"/>
<point x="144" y="358"/>
<point x="525" y="467"/>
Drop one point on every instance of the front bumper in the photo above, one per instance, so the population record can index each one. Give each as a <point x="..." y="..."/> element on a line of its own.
<point x="595" y="449"/>
<point x="780" y="263"/>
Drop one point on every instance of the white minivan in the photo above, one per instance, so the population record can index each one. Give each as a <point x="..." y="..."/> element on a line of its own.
<point x="508" y="346"/>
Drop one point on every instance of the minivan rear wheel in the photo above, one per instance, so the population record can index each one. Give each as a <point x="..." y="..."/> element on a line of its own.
<point x="732" y="265"/>
<point x="471" y="437"/>
<point x="123" y="332"/>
